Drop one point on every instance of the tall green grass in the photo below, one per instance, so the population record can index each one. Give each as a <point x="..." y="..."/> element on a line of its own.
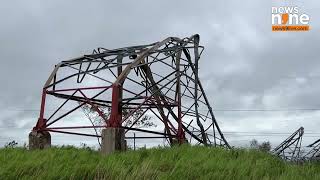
<point x="184" y="162"/>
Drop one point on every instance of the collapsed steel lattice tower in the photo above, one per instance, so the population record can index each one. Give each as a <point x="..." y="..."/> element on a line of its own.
<point x="314" y="153"/>
<point x="159" y="78"/>
<point x="289" y="149"/>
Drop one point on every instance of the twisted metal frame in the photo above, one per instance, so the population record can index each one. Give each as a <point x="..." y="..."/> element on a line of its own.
<point x="289" y="149"/>
<point x="314" y="153"/>
<point x="160" y="78"/>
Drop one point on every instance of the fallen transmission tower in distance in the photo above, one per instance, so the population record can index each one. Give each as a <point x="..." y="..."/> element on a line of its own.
<point x="289" y="149"/>
<point x="159" y="78"/>
<point x="314" y="153"/>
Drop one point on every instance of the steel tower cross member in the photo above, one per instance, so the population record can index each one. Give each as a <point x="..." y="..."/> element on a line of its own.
<point x="314" y="153"/>
<point x="289" y="149"/>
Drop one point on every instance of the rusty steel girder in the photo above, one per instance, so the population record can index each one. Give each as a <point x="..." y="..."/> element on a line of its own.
<point x="159" y="78"/>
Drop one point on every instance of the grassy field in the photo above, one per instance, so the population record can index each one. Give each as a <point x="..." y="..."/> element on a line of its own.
<point x="183" y="162"/>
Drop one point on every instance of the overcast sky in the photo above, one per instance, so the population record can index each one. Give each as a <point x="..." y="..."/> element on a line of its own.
<point x="244" y="66"/>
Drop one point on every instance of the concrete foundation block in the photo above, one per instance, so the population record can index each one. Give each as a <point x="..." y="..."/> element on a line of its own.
<point x="113" y="139"/>
<point x="39" y="140"/>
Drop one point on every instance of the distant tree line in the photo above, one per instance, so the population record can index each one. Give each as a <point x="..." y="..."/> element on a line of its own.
<point x="264" y="146"/>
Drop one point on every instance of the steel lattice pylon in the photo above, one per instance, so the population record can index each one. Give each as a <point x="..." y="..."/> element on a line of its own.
<point x="314" y="153"/>
<point x="159" y="78"/>
<point x="289" y="149"/>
